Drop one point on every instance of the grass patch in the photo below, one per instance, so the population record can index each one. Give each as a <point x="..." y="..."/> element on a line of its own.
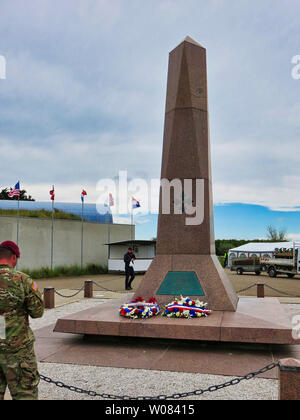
<point x="222" y="260"/>
<point x="40" y="214"/>
<point x="63" y="271"/>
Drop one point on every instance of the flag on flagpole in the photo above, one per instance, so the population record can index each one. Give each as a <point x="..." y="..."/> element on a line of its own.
<point x="16" y="191"/>
<point x="52" y="194"/>
<point x="83" y="194"/>
<point x="52" y="198"/>
<point x="111" y="201"/>
<point x="135" y="204"/>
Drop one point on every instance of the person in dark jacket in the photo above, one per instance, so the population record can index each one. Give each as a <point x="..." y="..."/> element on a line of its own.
<point x="129" y="259"/>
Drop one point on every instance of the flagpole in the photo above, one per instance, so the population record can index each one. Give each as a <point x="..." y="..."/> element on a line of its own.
<point x="131" y="224"/>
<point x="81" y="253"/>
<point x="52" y="231"/>
<point x="18" y="219"/>
<point x="108" y="233"/>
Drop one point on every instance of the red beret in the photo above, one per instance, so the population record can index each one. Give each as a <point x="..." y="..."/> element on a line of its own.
<point x="12" y="247"/>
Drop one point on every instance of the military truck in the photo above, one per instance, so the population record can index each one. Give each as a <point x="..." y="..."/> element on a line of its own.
<point x="285" y="261"/>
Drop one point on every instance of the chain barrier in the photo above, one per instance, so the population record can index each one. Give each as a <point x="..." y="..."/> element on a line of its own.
<point x="213" y="388"/>
<point x="71" y="296"/>
<point x="126" y="292"/>
<point x="108" y="290"/>
<point x="82" y="288"/>
<point x="247" y="288"/>
<point x="279" y="291"/>
<point x="269" y="287"/>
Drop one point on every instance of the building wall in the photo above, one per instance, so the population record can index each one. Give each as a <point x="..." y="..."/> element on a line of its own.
<point x="144" y="251"/>
<point x="35" y="241"/>
<point x="140" y="266"/>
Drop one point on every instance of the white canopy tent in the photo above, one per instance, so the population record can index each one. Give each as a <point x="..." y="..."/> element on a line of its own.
<point x="257" y="249"/>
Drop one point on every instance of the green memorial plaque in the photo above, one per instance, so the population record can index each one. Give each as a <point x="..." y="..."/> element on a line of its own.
<point x="184" y="283"/>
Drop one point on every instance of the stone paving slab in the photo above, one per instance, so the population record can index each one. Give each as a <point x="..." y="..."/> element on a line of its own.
<point x="165" y="355"/>
<point x="188" y="363"/>
<point x="149" y="354"/>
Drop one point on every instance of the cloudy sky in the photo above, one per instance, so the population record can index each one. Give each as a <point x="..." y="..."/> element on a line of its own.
<point x="85" y="88"/>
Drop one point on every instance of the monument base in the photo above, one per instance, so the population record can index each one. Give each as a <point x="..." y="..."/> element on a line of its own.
<point x="255" y="321"/>
<point x="206" y="281"/>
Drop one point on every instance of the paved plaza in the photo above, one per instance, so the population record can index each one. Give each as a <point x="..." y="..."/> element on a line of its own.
<point x="134" y="368"/>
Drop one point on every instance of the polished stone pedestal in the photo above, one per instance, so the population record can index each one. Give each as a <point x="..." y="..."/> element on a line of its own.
<point x="255" y="321"/>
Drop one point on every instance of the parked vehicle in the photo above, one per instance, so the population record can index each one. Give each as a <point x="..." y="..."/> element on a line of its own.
<point x="285" y="261"/>
<point x="246" y="265"/>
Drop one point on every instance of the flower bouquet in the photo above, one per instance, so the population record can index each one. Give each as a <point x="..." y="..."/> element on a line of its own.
<point x="186" y="308"/>
<point x="139" y="308"/>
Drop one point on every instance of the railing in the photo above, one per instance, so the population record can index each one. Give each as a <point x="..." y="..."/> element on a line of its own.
<point x="50" y="292"/>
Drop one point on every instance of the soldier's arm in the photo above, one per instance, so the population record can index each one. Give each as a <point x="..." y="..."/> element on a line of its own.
<point x="34" y="303"/>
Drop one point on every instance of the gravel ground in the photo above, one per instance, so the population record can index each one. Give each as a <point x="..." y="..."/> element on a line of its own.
<point x="135" y="382"/>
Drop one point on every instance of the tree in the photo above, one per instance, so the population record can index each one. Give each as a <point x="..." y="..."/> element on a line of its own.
<point x="23" y="195"/>
<point x="276" y="235"/>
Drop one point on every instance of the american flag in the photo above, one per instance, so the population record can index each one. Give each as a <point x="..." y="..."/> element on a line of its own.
<point x="16" y="191"/>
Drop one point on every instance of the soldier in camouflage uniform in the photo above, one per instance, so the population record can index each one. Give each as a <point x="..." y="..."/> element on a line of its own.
<point x="19" y="298"/>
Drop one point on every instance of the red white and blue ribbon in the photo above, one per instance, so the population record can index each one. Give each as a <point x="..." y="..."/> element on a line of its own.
<point x="186" y="308"/>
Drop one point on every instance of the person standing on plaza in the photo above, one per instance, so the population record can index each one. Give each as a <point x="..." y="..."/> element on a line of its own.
<point x="129" y="259"/>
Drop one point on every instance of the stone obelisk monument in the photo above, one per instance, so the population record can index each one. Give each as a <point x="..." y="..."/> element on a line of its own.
<point x="186" y="262"/>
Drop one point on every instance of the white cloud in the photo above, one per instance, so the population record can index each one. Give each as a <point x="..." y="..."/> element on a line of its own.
<point x="275" y="198"/>
<point x="85" y="91"/>
<point x="294" y="237"/>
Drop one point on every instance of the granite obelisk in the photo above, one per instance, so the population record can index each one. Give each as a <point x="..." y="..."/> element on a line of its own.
<point x="186" y="262"/>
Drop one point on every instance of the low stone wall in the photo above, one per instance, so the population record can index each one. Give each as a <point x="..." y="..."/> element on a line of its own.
<point x="35" y="241"/>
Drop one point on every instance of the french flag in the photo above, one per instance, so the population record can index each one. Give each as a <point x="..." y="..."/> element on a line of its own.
<point x="83" y="194"/>
<point x="135" y="203"/>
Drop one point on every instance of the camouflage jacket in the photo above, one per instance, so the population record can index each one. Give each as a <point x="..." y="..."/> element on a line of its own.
<point x="19" y="298"/>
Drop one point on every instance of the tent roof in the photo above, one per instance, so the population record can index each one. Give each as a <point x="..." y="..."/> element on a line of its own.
<point x="262" y="246"/>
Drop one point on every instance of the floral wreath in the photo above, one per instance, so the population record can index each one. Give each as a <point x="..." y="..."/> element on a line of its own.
<point x="139" y="308"/>
<point x="186" y="308"/>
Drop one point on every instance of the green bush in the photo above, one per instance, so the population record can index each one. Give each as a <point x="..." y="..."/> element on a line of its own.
<point x="221" y="259"/>
<point x="64" y="271"/>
